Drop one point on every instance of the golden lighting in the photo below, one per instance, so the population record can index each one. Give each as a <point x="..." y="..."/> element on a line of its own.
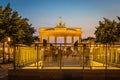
<point x="60" y="30"/>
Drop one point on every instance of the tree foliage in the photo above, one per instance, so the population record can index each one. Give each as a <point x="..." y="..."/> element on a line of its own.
<point x="108" y="31"/>
<point x="14" y="26"/>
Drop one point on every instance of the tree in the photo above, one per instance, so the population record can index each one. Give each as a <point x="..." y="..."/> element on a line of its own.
<point x="106" y="32"/>
<point x="4" y="24"/>
<point x="118" y="28"/>
<point x="14" y="26"/>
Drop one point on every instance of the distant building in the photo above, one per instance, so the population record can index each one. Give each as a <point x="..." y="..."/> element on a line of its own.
<point x="60" y="30"/>
<point x="90" y="40"/>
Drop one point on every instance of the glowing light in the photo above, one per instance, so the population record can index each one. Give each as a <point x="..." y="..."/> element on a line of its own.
<point x="9" y="39"/>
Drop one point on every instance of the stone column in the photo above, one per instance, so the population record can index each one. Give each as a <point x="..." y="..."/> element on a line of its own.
<point x="55" y="39"/>
<point x="72" y="39"/>
<point x="65" y="41"/>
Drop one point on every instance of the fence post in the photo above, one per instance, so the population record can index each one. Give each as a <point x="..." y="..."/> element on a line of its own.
<point x="83" y="54"/>
<point x="14" y="57"/>
<point x="106" y="57"/>
<point x="60" y="56"/>
<point x="37" y="56"/>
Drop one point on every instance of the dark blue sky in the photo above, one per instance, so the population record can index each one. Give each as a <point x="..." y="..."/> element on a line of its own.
<point x="75" y="13"/>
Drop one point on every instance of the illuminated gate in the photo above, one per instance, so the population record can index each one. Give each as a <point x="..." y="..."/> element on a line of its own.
<point x="60" y="30"/>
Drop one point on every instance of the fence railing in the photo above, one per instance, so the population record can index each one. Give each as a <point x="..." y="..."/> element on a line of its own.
<point x="60" y="56"/>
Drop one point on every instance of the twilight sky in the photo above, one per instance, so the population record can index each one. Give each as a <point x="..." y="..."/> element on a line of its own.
<point x="75" y="13"/>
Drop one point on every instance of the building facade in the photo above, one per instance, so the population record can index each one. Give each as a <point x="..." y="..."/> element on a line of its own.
<point x="60" y="30"/>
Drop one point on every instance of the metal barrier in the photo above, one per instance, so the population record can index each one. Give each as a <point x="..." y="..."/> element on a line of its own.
<point x="61" y="56"/>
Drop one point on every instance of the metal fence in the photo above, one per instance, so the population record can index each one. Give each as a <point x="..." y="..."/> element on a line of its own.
<point x="67" y="56"/>
<point x="7" y="53"/>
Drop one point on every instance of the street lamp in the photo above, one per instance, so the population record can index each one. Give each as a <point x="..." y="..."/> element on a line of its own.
<point x="9" y="39"/>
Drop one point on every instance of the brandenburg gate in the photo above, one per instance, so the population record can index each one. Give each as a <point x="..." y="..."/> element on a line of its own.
<point x="60" y="30"/>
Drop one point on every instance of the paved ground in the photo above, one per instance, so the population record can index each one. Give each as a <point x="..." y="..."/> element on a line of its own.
<point x="94" y="65"/>
<point x="5" y="67"/>
<point x="4" y="70"/>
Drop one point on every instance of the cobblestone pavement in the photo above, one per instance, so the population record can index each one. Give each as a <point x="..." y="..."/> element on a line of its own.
<point x="4" y="70"/>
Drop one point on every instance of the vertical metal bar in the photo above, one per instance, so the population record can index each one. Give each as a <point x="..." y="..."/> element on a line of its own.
<point x="79" y="54"/>
<point x="14" y="57"/>
<point x="83" y="55"/>
<point x="37" y="56"/>
<point x="90" y="55"/>
<point x="18" y="59"/>
<point x="106" y="57"/>
<point x="34" y="55"/>
<point x="3" y="53"/>
<point x="60" y="56"/>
